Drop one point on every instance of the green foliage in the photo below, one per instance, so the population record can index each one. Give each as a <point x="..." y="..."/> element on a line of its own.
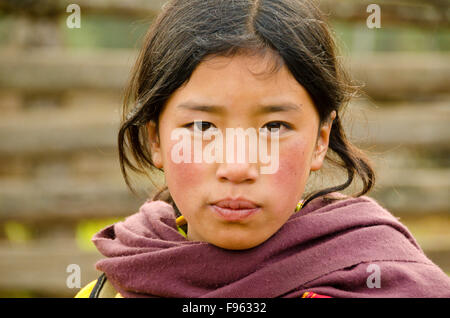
<point x="104" y="31"/>
<point x="87" y="228"/>
<point x="356" y="36"/>
<point x="16" y="232"/>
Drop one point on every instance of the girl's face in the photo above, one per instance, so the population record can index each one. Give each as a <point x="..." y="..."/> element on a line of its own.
<point x="232" y="92"/>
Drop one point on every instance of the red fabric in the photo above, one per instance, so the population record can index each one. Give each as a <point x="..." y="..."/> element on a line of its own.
<point x="314" y="295"/>
<point x="326" y="247"/>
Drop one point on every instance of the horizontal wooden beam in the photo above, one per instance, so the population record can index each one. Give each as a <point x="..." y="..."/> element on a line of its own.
<point x="402" y="125"/>
<point x="53" y="8"/>
<point x="417" y="13"/>
<point x="56" y="132"/>
<point x="400" y="75"/>
<point x="41" y="267"/>
<point x="407" y="76"/>
<point x="66" y="200"/>
<point x="54" y="70"/>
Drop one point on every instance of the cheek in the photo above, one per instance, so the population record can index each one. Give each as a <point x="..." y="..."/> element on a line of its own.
<point x="183" y="176"/>
<point x="185" y="182"/>
<point x="293" y="168"/>
<point x="180" y="174"/>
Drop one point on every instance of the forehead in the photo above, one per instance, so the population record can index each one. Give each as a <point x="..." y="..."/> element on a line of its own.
<point x="244" y="80"/>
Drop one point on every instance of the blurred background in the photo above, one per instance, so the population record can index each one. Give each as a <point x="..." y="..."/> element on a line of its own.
<point x="60" y="96"/>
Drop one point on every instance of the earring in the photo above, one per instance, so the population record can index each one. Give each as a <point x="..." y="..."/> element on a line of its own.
<point x="299" y="206"/>
<point x="181" y="220"/>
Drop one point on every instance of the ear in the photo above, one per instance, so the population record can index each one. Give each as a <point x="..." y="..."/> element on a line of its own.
<point x="155" y="146"/>
<point x="321" y="148"/>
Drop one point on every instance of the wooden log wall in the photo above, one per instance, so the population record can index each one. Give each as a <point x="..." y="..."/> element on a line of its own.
<point x="60" y="114"/>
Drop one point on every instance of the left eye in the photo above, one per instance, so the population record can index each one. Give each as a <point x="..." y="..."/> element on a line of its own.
<point x="200" y="125"/>
<point x="275" y="126"/>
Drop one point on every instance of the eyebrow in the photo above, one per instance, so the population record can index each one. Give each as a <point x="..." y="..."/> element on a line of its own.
<point x="283" y="107"/>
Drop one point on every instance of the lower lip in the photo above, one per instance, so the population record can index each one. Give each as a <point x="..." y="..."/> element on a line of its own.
<point x="233" y="215"/>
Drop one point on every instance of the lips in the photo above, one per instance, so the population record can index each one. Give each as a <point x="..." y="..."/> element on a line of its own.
<point x="237" y="204"/>
<point x="234" y="209"/>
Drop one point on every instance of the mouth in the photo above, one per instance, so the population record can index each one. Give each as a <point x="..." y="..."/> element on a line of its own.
<point x="234" y="210"/>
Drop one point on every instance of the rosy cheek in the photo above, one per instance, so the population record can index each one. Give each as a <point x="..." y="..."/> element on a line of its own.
<point x="184" y="174"/>
<point x="292" y="171"/>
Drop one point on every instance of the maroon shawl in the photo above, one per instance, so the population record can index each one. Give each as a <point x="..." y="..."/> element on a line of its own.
<point x="325" y="248"/>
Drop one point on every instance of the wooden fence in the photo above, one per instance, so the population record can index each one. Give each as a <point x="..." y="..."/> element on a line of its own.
<point x="60" y="115"/>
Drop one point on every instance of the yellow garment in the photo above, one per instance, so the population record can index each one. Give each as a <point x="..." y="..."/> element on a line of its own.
<point x="85" y="292"/>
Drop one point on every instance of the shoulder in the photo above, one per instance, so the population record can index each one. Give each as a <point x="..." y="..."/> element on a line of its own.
<point x="368" y="230"/>
<point x="349" y="210"/>
<point x="337" y="201"/>
<point x="361" y="240"/>
<point x="384" y="279"/>
<point x="337" y="211"/>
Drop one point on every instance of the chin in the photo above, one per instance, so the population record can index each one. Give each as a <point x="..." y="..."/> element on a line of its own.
<point x="236" y="244"/>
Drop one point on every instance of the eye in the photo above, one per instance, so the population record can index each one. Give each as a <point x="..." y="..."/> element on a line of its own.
<point x="274" y="126"/>
<point x="200" y="125"/>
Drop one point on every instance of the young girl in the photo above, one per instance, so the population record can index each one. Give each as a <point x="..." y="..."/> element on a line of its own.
<point x="236" y="228"/>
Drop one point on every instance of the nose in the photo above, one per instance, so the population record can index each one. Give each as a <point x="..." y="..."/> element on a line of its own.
<point x="240" y="163"/>
<point x="237" y="172"/>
